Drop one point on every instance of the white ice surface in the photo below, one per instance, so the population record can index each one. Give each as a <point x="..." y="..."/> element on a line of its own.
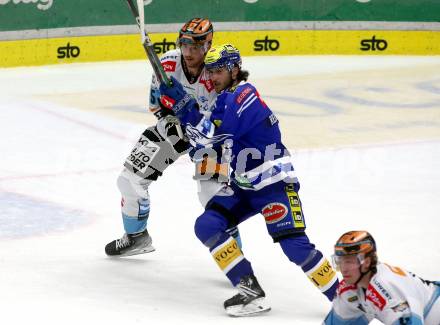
<point x="59" y="206"/>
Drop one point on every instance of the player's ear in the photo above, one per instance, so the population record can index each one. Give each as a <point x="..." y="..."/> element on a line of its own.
<point x="235" y="71"/>
<point x="367" y="263"/>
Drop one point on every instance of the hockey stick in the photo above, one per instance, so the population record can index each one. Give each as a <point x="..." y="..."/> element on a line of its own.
<point x="146" y="42"/>
<point x="152" y="56"/>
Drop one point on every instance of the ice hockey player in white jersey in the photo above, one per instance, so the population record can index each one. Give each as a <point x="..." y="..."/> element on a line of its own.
<point x="373" y="290"/>
<point x="159" y="146"/>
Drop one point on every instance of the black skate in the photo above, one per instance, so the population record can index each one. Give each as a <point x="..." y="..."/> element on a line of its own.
<point x="130" y="244"/>
<point x="250" y="300"/>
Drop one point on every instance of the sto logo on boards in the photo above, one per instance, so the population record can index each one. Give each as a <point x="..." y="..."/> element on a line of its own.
<point x="68" y="51"/>
<point x="374" y="44"/>
<point x="266" y="44"/>
<point x="164" y="46"/>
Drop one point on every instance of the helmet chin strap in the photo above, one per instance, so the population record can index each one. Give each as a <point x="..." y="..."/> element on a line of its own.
<point x="362" y="275"/>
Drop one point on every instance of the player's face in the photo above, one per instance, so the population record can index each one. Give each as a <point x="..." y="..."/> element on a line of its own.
<point x="193" y="54"/>
<point x="221" y="78"/>
<point x="349" y="266"/>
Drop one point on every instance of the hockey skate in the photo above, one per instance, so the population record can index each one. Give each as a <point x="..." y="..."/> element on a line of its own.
<point x="130" y="244"/>
<point x="249" y="301"/>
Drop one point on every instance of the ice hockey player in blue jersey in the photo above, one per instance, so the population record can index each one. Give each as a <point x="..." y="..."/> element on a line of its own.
<point x="244" y="132"/>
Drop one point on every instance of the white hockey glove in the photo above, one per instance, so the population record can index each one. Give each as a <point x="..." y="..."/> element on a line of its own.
<point x="170" y="129"/>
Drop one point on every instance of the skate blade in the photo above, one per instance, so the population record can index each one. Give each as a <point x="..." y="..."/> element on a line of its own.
<point x="144" y="250"/>
<point x="254" y="308"/>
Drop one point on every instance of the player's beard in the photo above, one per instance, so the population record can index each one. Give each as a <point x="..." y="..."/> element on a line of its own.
<point x="193" y="62"/>
<point x="219" y="86"/>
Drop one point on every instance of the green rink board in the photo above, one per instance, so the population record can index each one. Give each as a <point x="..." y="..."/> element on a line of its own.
<point x="18" y="15"/>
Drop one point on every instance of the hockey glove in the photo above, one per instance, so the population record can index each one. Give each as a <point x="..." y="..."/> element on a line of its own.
<point x="177" y="99"/>
<point x="170" y="129"/>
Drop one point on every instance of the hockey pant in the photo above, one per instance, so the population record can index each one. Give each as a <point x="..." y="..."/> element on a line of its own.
<point x="151" y="155"/>
<point x="281" y="208"/>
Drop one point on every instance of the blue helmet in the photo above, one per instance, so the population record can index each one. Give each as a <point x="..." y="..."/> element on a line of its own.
<point x="221" y="56"/>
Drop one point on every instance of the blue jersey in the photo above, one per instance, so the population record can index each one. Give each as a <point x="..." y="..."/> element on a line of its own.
<point x="241" y="118"/>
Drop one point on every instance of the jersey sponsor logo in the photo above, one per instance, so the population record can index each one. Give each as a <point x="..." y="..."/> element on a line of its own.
<point x="141" y="155"/>
<point x="273" y="119"/>
<point x="298" y="219"/>
<point x="284" y="224"/>
<point x="353" y="299"/>
<point x="343" y="287"/>
<point x="227" y="253"/>
<point x="295" y="207"/>
<point x="243" y="94"/>
<point x="168" y="57"/>
<point x="382" y="289"/>
<point x="169" y="66"/>
<point x="207" y="83"/>
<point x="274" y="212"/>
<point x="323" y="275"/>
<point x="375" y="297"/>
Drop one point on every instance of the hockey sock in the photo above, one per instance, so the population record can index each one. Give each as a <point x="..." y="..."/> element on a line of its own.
<point x="320" y="272"/>
<point x="134" y="224"/>
<point x="233" y="232"/>
<point x="231" y="260"/>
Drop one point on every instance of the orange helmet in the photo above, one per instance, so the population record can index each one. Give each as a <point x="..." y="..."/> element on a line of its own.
<point x="196" y="31"/>
<point x="355" y="242"/>
<point x="359" y="243"/>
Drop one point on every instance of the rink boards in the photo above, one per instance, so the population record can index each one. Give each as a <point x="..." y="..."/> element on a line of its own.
<point x="42" y="51"/>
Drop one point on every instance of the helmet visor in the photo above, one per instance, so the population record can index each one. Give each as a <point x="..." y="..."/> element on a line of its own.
<point x="347" y="262"/>
<point x="186" y="45"/>
<point x="191" y="47"/>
